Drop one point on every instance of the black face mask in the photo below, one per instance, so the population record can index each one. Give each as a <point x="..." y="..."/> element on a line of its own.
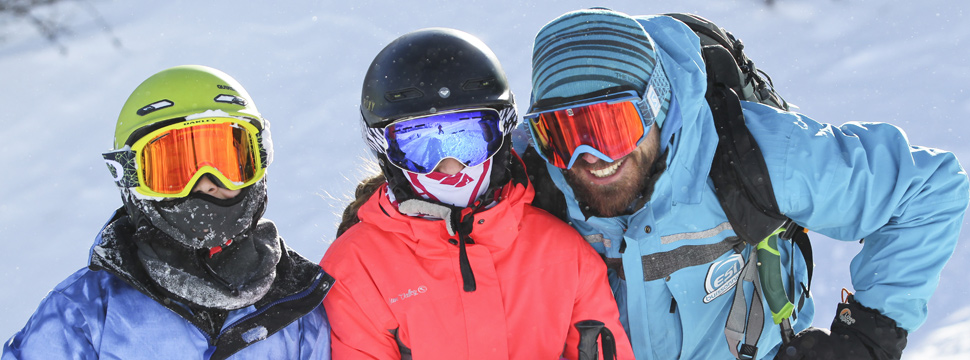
<point x="200" y="221"/>
<point x="235" y="276"/>
<point x="210" y="252"/>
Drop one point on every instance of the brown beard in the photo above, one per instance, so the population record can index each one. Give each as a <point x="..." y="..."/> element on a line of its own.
<point x="614" y="199"/>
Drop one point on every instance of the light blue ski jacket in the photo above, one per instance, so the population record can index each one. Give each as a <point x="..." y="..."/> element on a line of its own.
<point x="97" y="315"/>
<point x="855" y="181"/>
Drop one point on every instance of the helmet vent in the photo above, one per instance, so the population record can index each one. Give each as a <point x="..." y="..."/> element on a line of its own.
<point x="158" y="105"/>
<point x="400" y="95"/>
<point x="478" y="84"/>
<point x="230" y="99"/>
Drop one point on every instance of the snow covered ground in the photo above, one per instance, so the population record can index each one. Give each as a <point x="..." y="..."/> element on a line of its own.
<point x="302" y="61"/>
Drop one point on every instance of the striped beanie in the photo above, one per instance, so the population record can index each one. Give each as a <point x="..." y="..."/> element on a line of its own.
<point x="594" y="52"/>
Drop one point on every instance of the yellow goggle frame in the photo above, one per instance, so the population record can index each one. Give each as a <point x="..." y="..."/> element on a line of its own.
<point x="168" y="161"/>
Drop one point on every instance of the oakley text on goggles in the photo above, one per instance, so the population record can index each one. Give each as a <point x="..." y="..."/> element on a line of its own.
<point x="168" y="161"/>
<point x="419" y="144"/>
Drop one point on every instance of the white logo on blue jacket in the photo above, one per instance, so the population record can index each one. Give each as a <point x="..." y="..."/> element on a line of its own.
<point x="722" y="276"/>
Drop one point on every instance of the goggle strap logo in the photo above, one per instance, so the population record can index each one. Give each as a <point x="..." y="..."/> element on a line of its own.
<point x="263" y="152"/>
<point x="658" y="90"/>
<point x="510" y="119"/>
<point x="121" y="165"/>
<point x="654" y="102"/>
<point x="375" y="139"/>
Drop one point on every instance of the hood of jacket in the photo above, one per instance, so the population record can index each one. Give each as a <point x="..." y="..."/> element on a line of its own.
<point x="689" y="126"/>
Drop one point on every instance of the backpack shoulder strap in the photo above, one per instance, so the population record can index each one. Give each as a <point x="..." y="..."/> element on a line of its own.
<point x="739" y="172"/>
<point x="740" y="73"/>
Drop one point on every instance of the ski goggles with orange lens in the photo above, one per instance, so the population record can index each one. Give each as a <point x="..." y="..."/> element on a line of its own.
<point x="419" y="144"/>
<point x="608" y="127"/>
<point x="168" y="161"/>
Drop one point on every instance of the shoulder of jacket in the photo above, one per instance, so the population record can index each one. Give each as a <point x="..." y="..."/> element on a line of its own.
<point x="547" y="229"/>
<point x="362" y="241"/>
<point x="83" y="278"/>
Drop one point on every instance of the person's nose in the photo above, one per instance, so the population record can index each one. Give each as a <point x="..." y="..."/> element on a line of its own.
<point x="206" y="186"/>
<point x="449" y="166"/>
<point x="590" y="158"/>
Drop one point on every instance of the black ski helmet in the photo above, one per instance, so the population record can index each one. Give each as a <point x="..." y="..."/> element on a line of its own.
<point x="429" y="71"/>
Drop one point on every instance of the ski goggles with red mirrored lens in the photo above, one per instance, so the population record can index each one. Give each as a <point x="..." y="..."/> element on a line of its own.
<point x="168" y="161"/>
<point x="609" y="127"/>
<point x="419" y="144"/>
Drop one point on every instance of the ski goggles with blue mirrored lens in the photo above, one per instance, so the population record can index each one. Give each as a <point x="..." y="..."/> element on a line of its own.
<point x="609" y="127"/>
<point x="167" y="162"/>
<point x="419" y="144"/>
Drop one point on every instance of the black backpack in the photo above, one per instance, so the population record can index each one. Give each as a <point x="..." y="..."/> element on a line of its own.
<point x="738" y="172"/>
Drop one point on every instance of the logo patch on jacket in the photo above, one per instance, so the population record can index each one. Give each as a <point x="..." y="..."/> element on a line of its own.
<point x="408" y="294"/>
<point x="722" y="276"/>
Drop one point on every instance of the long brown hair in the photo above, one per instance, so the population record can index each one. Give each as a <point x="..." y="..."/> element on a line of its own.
<point x="364" y="190"/>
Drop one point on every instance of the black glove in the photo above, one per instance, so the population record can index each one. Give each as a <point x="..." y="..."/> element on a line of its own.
<point x="857" y="332"/>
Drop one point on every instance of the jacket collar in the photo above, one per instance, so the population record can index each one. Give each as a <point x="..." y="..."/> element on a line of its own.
<point x="300" y="284"/>
<point x="494" y="228"/>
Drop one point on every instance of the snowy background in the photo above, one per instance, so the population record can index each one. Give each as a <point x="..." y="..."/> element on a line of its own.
<point x="903" y="62"/>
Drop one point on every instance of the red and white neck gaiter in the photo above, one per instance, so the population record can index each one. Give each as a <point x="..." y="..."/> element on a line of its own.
<point x="459" y="190"/>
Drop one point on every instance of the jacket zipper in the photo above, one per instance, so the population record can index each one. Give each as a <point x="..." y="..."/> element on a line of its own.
<point x="297" y="296"/>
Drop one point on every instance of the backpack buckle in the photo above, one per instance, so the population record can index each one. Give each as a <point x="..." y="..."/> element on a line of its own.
<point x="748" y="352"/>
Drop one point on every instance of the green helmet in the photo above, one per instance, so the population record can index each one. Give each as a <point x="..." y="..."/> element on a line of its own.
<point x="177" y="241"/>
<point x="177" y="92"/>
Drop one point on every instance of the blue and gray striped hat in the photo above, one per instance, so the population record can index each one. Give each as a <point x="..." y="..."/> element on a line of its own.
<point x="593" y="52"/>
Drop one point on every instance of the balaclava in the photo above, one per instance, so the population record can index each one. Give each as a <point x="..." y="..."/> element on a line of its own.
<point x="204" y="251"/>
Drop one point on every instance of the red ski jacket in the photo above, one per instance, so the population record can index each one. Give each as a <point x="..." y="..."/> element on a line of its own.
<point x="399" y="286"/>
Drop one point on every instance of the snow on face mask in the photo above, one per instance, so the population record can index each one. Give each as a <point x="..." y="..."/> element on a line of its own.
<point x="201" y="221"/>
<point x="233" y="278"/>
<point x="461" y="189"/>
